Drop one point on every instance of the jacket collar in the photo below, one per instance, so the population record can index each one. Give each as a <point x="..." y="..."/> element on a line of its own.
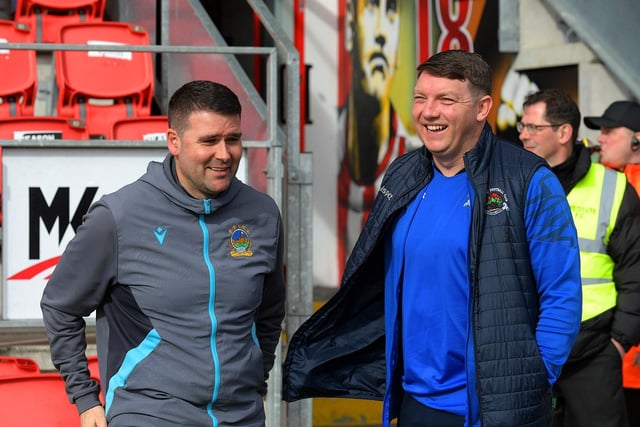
<point x="163" y="176"/>
<point x="478" y="159"/>
<point x="572" y="170"/>
<point x="633" y="175"/>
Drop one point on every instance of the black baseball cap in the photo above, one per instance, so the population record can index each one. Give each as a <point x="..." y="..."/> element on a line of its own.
<point x="620" y="113"/>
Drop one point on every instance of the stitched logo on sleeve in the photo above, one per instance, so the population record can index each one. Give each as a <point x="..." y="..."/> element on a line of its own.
<point x="496" y="201"/>
<point x="240" y="242"/>
<point x="386" y="193"/>
<point x="160" y="234"/>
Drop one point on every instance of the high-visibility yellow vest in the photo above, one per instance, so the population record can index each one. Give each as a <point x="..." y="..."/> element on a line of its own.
<point x="595" y="202"/>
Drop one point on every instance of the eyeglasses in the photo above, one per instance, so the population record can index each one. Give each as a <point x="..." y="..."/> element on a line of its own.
<point x="531" y="128"/>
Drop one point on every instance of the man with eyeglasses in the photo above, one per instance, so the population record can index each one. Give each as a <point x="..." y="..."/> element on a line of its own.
<point x="605" y="210"/>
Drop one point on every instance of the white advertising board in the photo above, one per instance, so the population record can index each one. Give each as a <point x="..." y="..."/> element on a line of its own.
<point x="45" y="193"/>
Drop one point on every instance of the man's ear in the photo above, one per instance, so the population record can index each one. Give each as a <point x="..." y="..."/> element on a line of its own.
<point x="173" y="141"/>
<point x="484" y="107"/>
<point x="565" y="133"/>
<point x="635" y="141"/>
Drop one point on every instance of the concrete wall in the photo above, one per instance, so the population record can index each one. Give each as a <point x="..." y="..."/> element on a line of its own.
<point x="546" y="42"/>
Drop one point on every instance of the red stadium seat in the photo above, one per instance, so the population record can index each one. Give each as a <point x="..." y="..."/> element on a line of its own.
<point x="19" y="71"/>
<point x="0" y="185"/>
<point x="100" y="87"/>
<point x="36" y="400"/>
<point x="42" y="128"/>
<point x="18" y="366"/>
<point x="46" y="17"/>
<point x="151" y="128"/>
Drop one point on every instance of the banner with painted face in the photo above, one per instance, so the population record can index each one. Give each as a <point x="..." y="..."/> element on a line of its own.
<point x="380" y="45"/>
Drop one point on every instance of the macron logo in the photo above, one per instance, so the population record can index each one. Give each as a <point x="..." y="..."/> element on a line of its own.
<point x="160" y="234"/>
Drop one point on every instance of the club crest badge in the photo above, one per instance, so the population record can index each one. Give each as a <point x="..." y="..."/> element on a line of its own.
<point x="496" y="201"/>
<point x="240" y="241"/>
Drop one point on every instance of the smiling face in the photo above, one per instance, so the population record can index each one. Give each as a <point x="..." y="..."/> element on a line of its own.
<point x="449" y="117"/>
<point x="377" y="30"/>
<point x="207" y="153"/>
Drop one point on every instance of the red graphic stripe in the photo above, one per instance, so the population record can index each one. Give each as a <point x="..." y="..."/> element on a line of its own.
<point x="31" y="272"/>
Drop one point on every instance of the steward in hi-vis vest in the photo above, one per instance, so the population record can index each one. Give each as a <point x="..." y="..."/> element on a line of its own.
<point x="606" y="214"/>
<point x="595" y="202"/>
<point x="619" y="148"/>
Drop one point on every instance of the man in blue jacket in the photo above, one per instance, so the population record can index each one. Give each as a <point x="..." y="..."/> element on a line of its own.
<point x="185" y="269"/>
<point x="461" y="299"/>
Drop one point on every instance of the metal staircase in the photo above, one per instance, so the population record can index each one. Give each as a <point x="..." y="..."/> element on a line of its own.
<point x="611" y="29"/>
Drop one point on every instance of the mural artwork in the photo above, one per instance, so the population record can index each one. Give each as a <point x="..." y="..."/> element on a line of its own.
<point x="381" y="44"/>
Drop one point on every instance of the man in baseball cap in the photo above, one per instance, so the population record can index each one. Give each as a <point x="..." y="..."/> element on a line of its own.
<point x="619" y="135"/>
<point x="620" y="149"/>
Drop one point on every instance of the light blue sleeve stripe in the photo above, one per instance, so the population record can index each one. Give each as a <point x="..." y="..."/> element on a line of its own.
<point x="254" y="334"/>
<point x="131" y="360"/>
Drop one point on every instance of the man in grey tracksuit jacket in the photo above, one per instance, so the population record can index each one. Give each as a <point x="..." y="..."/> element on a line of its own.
<point x="189" y="296"/>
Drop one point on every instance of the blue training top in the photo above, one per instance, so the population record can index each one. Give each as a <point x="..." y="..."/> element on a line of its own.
<point x="436" y="334"/>
<point x="436" y="276"/>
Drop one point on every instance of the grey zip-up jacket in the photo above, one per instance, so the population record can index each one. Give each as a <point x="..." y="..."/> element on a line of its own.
<point x="189" y="297"/>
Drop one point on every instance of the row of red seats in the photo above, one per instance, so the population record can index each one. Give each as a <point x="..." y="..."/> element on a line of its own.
<point x="40" y="128"/>
<point x="95" y="87"/>
<point x="100" y="94"/>
<point x="48" y="128"/>
<point x="48" y="16"/>
<point x="29" y="397"/>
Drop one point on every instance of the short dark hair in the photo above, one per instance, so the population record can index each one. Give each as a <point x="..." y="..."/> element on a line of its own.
<point x="460" y="65"/>
<point x="560" y="108"/>
<point x="201" y="95"/>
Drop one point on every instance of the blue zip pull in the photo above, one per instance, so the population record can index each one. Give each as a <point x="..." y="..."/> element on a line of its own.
<point x="207" y="206"/>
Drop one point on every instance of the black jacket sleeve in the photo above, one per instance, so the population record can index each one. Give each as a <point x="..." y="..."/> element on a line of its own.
<point x="624" y="249"/>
